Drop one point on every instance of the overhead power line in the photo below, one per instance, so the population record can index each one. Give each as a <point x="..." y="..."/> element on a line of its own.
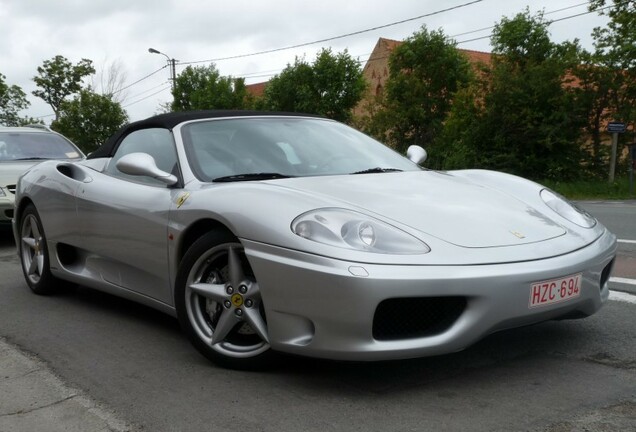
<point x="140" y="79"/>
<point x="357" y="33"/>
<point x="252" y="75"/>
<point x="255" y="74"/>
<point x="546" y="13"/>
<point x="145" y="91"/>
<point x="258" y="74"/>
<point x="149" y="96"/>
<point x="334" y="37"/>
<point x="44" y="116"/>
<point x="548" y="22"/>
<point x="124" y="88"/>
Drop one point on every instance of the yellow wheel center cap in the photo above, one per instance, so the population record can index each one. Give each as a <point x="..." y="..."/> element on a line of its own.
<point x="237" y="300"/>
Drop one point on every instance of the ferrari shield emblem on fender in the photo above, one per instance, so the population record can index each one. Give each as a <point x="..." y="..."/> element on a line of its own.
<point x="182" y="198"/>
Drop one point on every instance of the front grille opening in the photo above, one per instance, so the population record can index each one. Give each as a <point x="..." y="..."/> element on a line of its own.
<point x="414" y="317"/>
<point x="605" y="274"/>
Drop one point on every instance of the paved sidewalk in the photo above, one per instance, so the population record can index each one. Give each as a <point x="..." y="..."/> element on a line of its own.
<point x="33" y="399"/>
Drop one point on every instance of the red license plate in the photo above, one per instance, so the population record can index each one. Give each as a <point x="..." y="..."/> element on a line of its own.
<point x="555" y="290"/>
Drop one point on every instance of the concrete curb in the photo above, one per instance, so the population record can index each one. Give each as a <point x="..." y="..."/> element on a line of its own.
<point x="33" y="398"/>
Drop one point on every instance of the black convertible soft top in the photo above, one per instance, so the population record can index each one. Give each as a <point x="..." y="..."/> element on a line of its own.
<point x="170" y="120"/>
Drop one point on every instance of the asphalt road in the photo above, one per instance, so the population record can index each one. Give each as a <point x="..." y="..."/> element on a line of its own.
<point x="556" y="376"/>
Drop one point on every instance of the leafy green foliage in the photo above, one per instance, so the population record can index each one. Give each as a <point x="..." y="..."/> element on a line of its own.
<point x="426" y="71"/>
<point x="331" y="86"/>
<point x="519" y="117"/>
<point x="58" y="79"/>
<point x="202" y="87"/>
<point x="617" y="41"/>
<point x="23" y="121"/>
<point x="12" y="100"/>
<point x="594" y="94"/>
<point x="89" y="119"/>
<point x="610" y="77"/>
<point x="591" y="189"/>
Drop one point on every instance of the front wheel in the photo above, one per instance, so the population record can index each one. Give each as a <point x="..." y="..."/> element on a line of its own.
<point x="219" y="304"/>
<point x="34" y="255"/>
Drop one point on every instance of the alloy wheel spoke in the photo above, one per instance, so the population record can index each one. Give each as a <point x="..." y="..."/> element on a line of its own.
<point x="34" y="228"/>
<point x="254" y="291"/>
<point x="235" y="267"/>
<point x="214" y="292"/>
<point x="30" y="242"/>
<point x="40" y="263"/>
<point x="33" y="267"/>
<point x="255" y="320"/>
<point x="226" y="323"/>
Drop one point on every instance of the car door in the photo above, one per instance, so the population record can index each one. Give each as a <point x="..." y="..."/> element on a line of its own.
<point x="125" y="219"/>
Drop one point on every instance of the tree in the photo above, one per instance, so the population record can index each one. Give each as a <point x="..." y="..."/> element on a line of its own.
<point x="523" y="117"/>
<point x="89" y="119"/>
<point x="612" y="76"/>
<point x="203" y="87"/>
<point x="616" y="43"/>
<point x="12" y="100"/>
<point x="425" y="72"/>
<point x="594" y="94"/>
<point x="332" y="86"/>
<point x="110" y="80"/>
<point x="58" y="79"/>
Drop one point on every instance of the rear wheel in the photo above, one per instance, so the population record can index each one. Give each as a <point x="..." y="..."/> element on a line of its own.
<point x="219" y="303"/>
<point x="34" y="255"/>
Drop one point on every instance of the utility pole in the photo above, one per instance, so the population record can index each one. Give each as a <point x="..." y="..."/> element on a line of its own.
<point x="174" y="73"/>
<point x="171" y="64"/>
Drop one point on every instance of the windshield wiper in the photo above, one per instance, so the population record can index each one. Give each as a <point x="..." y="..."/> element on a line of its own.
<point x="377" y="170"/>
<point x="30" y="158"/>
<point x="251" y="176"/>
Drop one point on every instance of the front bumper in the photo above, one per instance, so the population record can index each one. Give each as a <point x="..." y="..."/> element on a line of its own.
<point x="322" y="307"/>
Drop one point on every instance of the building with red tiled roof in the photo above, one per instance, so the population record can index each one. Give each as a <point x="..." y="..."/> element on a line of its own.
<point x="376" y="70"/>
<point x="257" y="89"/>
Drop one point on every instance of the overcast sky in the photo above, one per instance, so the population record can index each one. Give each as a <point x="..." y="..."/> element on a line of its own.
<point x="108" y="31"/>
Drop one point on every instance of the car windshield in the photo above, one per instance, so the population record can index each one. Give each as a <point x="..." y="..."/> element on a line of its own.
<point x="278" y="147"/>
<point x="16" y="146"/>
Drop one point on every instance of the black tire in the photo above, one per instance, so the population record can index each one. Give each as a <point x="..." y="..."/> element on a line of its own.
<point x="34" y="253"/>
<point x="219" y="305"/>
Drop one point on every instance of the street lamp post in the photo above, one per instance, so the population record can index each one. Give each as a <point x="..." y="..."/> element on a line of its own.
<point x="171" y="63"/>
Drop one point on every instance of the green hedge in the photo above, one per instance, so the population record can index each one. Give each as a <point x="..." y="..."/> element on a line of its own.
<point x="592" y="189"/>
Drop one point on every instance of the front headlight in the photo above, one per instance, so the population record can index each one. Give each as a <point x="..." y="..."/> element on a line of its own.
<point x="352" y="230"/>
<point x="567" y="210"/>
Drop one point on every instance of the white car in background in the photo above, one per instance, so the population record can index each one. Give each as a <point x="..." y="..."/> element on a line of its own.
<point x="20" y="149"/>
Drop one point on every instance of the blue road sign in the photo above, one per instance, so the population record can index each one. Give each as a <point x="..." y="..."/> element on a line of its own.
<point x="616" y="127"/>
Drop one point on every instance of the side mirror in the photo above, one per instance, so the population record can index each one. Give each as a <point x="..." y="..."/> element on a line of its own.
<point x="416" y="154"/>
<point x="142" y="164"/>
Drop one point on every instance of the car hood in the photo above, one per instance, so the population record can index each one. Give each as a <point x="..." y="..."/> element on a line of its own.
<point x="10" y="171"/>
<point x="444" y="206"/>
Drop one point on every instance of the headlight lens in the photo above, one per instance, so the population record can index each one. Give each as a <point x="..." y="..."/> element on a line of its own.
<point x="567" y="210"/>
<point x="352" y="230"/>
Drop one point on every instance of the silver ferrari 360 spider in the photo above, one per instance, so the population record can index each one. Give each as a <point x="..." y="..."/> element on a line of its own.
<point x="266" y="232"/>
